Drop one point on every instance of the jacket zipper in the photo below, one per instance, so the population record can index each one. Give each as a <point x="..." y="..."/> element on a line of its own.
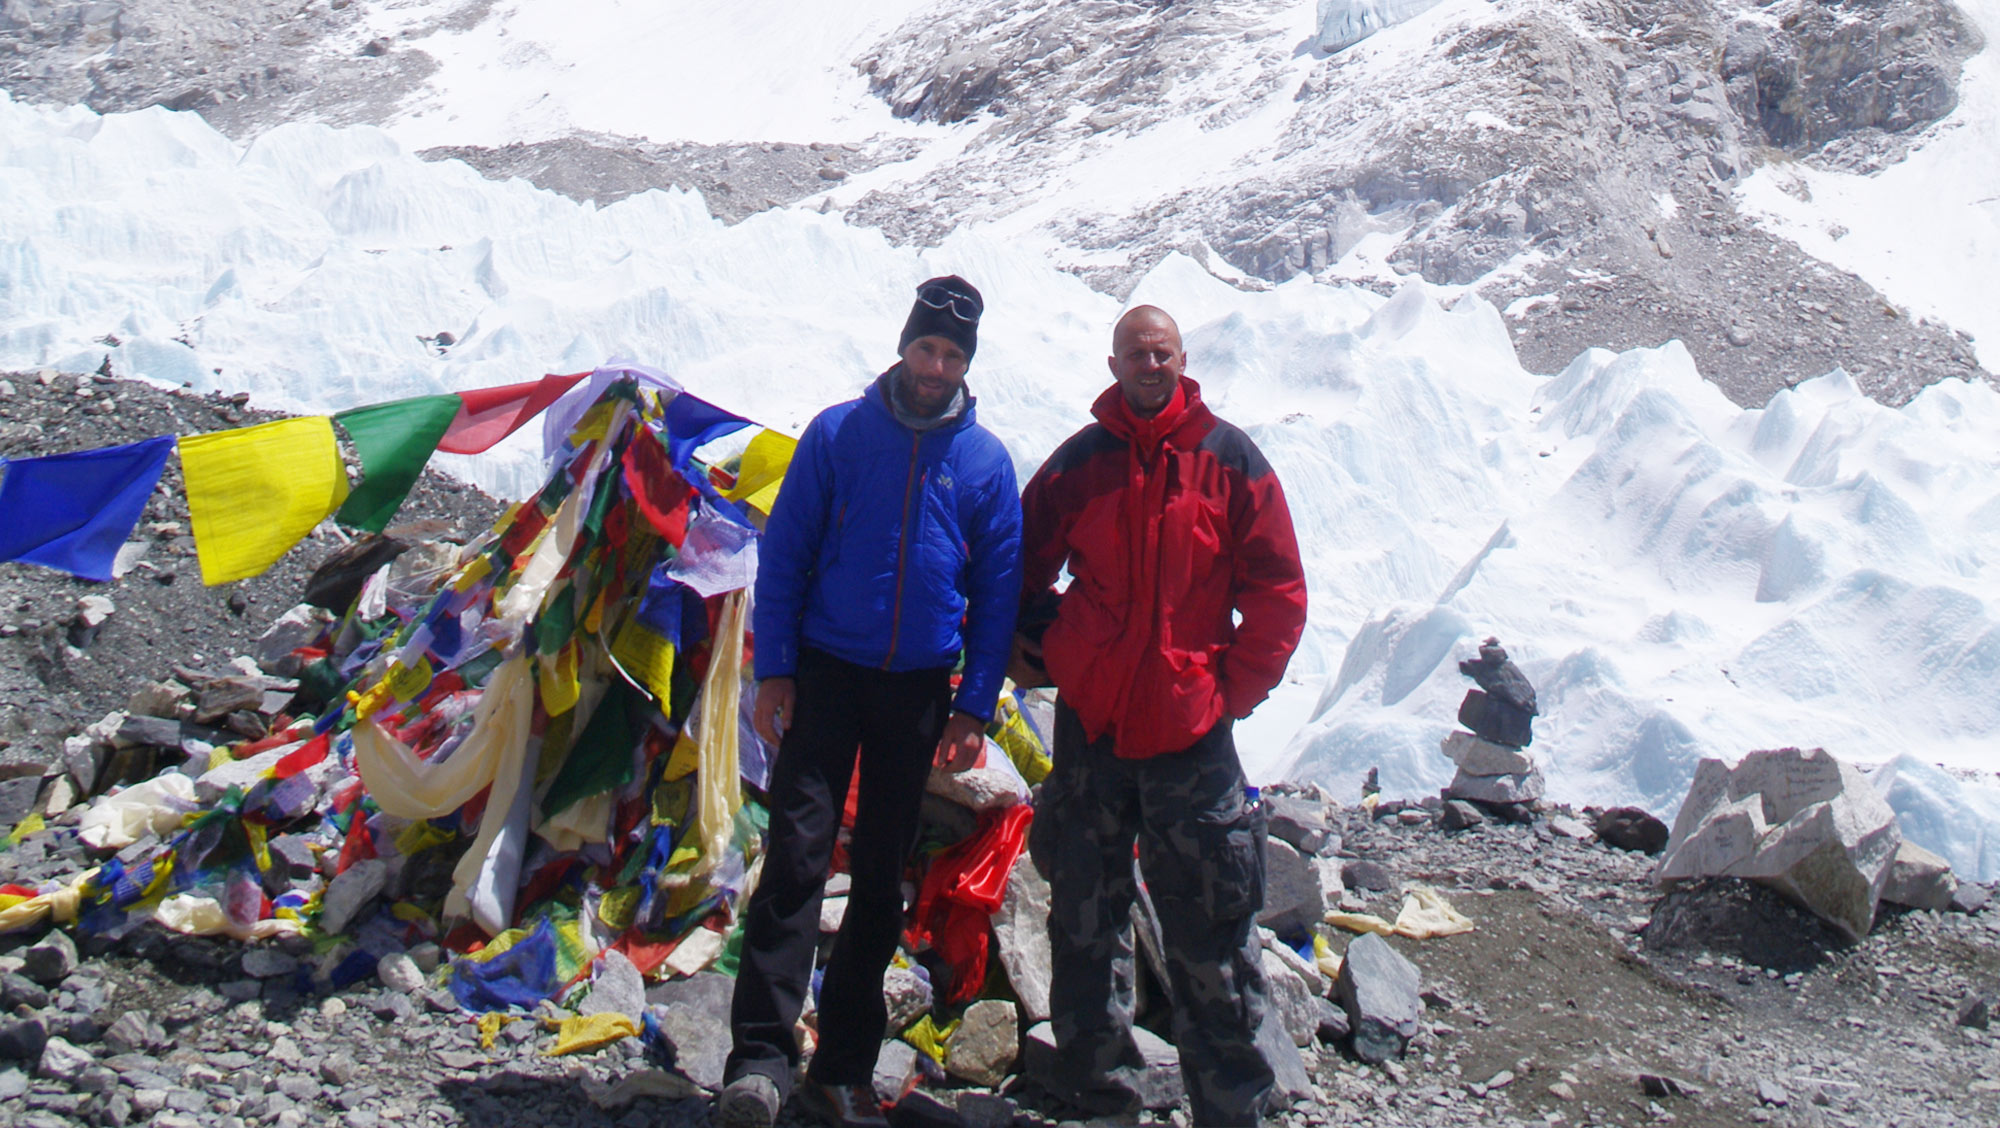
<point x="903" y="552"/>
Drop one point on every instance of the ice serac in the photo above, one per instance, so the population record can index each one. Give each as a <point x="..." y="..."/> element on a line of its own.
<point x="1343" y="23"/>
<point x="1803" y="823"/>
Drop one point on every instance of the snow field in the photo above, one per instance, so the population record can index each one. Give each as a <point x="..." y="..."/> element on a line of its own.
<point x="1681" y="578"/>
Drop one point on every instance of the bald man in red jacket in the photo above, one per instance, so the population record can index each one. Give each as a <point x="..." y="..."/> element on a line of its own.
<point x="1186" y="603"/>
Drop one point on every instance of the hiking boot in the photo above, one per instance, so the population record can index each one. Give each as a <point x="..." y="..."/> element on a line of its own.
<point x="845" y="1106"/>
<point x="750" y="1101"/>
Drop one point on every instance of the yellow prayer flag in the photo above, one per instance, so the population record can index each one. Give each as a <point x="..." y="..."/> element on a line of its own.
<point x="558" y="674"/>
<point x="647" y="656"/>
<point x="253" y="492"/>
<point x="588" y="1032"/>
<point x="763" y="468"/>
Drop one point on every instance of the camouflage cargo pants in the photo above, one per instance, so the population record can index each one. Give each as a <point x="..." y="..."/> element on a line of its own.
<point x="1200" y="848"/>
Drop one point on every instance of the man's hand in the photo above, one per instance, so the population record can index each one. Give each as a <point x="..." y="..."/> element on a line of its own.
<point x="1024" y="665"/>
<point x="773" y="713"/>
<point x="964" y="736"/>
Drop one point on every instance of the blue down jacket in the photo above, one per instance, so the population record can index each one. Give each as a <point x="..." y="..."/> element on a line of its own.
<point x="893" y="548"/>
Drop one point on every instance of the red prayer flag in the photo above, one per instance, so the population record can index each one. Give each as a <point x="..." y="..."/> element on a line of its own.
<point x="487" y="415"/>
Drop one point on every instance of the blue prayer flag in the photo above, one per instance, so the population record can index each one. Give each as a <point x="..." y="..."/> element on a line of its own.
<point x="72" y="512"/>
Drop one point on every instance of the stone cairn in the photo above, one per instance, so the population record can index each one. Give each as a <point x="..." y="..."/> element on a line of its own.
<point x="1494" y="765"/>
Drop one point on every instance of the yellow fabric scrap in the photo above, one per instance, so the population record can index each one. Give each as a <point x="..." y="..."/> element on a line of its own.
<point x="254" y="491"/>
<point x="406" y="682"/>
<point x="574" y="949"/>
<point x="490" y="1025"/>
<point x="684" y="759"/>
<point x="619" y="907"/>
<point x="718" y="789"/>
<point x="1325" y="958"/>
<point x="927" y="1036"/>
<point x="218" y="757"/>
<point x="499" y="944"/>
<point x="475" y="569"/>
<point x="25" y="827"/>
<point x="1426" y="915"/>
<point x="590" y="1031"/>
<point x="260" y="844"/>
<point x="419" y="836"/>
<point x="762" y="470"/>
<point x="60" y="906"/>
<point x="646" y="655"/>
<point x="1011" y="732"/>
<point x="560" y="685"/>
<point x="1360" y="922"/>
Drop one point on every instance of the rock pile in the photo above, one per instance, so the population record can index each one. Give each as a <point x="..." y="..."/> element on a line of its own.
<point x="1494" y="765"/>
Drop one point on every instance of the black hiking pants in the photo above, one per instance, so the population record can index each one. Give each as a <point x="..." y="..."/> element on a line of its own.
<point x="893" y="720"/>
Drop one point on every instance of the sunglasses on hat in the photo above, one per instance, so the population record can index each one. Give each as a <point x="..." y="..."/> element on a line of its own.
<point x="963" y="306"/>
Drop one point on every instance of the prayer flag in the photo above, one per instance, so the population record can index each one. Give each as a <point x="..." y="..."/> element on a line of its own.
<point x="762" y="470"/>
<point x="487" y="415"/>
<point x="253" y="492"/>
<point x="394" y="441"/>
<point x="693" y="423"/>
<point x="71" y="512"/>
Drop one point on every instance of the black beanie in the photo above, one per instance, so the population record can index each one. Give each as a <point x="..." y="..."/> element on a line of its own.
<point x="941" y="310"/>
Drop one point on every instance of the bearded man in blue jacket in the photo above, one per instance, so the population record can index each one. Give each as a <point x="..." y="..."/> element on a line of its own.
<point x="893" y="547"/>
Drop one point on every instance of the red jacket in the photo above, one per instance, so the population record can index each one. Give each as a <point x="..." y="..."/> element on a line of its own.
<point x="1168" y="525"/>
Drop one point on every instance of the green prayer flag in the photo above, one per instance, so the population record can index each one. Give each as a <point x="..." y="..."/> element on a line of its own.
<point x="601" y="759"/>
<point x="394" y="441"/>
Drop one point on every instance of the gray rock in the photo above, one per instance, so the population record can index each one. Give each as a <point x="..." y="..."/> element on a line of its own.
<point x="1372" y="876"/>
<point x="51" y="959"/>
<point x="1333" y="1024"/>
<point x="13" y="1083"/>
<point x="268" y="963"/>
<point x="1297" y="821"/>
<point x="708" y="991"/>
<point x="335" y="1069"/>
<point x="1771" y="1093"/>
<point x="1380" y="990"/>
<point x="985" y="1110"/>
<point x="399" y="973"/>
<point x="294" y="856"/>
<point x="1478" y="757"/>
<point x="919" y="1109"/>
<point x="392" y="1006"/>
<point x="63" y="1061"/>
<point x="1021" y="932"/>
<point x="1971" y="897"/>
<point x="832" y="911"/>
<point x="896" y="1070"/>
<point x="617" y="989"/>
<point x="907" y="996"/>
<point x="17" y="797"/>
<point x="1294" y="902"/>
<point x="1976" y="1012"/>
<point x="22" y="1039"/>
<point x="1288" y="999"/>
<point x="17" y="990"/>
<point x="1291" y="1080"/>
<point x="1919" y="879"/>
<point x="1459" y="815"/>
<point x="135" y="1032"/>
<point x="1804" y="823"/>
<point x="1662" y="1085"/>
<point x="240" y="990"/>
<point x="699" y="1041"/>
<point x="986" y="1044"/>
<point x="1630" y="828"/>
<point x="1521" y="787"/>
<point x="349" y="893"/>
<point x="1159" y="1085"/>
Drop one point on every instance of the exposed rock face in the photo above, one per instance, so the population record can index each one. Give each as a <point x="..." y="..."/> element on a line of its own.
<point x="1380" y="989"/>
<point x="1804" y="823"/>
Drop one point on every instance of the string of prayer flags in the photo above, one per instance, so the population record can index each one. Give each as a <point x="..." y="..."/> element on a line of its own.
<point x="255" y="491"/>
<point x="487" y="415"/>
<point x="394" y="441"/>
<point x="694" y="423"/>
<point x="72" y="512"/>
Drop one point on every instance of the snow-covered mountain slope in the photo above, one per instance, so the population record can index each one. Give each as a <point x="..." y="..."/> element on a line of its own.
<point x="1682" y="577"/>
